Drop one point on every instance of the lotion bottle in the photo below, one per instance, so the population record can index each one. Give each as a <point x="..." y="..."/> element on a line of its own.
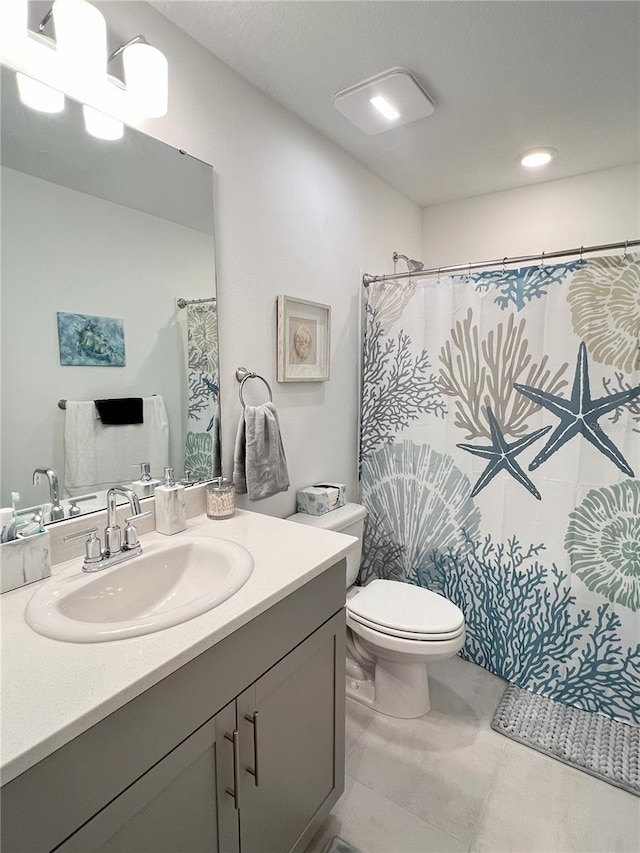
<point x="145" y="486"/>
<point x="171" y="507"/>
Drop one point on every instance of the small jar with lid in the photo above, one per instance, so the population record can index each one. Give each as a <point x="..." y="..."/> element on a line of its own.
<point x="221" y="501"/>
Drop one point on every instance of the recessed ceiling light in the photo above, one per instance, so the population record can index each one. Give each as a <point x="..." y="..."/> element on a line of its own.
<point x="537" y="157"/>
<point x="388" y="100"/>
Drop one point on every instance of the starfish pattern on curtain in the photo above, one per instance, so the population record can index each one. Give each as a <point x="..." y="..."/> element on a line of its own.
<point x="579" y="415"/>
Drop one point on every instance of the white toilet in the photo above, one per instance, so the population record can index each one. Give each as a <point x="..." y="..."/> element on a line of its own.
<point x="394" y="629"/>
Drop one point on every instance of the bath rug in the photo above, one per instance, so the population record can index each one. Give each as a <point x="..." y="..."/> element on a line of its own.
<point x="598" y="745"/>
<point x="339" y="845"/>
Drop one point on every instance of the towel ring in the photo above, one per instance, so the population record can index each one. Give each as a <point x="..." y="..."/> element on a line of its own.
<point x="242" y="374"/>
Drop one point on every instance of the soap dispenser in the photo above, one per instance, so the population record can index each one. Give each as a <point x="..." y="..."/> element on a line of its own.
<point x="171" y="507"/>
<point x="145" y="486"/>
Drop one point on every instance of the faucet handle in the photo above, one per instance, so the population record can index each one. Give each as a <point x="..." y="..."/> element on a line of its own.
<point x="130" y="532"/>
<point x="92" y="551"/>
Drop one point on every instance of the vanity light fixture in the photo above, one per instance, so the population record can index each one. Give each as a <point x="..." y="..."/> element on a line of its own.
<point x="81" y="38"/>
<point x="146" y="73"/>
<point x="102" y="126"/>
<point x="536" y="157"/>
<point x="38" y="96"/>
<point x="75" y="64"/>
<point x="385" y="101"/>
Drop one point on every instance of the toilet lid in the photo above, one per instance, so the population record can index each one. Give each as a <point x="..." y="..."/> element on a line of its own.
<point x="405" y="610"/>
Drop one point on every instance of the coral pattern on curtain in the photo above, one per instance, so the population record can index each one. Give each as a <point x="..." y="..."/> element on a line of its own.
<point x="500" y="466"/>
<point x="203" y="407"/>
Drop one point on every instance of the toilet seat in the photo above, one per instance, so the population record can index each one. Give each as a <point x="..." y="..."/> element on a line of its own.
<point x="405" y="611"/>
<point x="406" y="635"/>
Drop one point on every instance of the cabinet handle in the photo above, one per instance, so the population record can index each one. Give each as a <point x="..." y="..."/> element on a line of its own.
<point x="253" y="719"/>
<point x="235" y="792"/>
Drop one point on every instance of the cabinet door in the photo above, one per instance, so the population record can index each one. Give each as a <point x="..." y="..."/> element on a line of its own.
<point x="291" y="724"/>
<point x="171" y="809"/>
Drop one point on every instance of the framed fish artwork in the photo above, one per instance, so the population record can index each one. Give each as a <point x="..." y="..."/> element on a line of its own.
<point x="89" y="341"/>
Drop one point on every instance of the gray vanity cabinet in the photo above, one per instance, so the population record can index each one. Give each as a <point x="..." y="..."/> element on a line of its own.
<point x="239" y="751"/>
<point x="208" y="796"/>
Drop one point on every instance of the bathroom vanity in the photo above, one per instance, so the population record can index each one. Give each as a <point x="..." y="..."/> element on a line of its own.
<point x="224" y="733"/>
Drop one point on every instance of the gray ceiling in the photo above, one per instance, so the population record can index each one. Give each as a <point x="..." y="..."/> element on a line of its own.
<point x="505" y="76"/>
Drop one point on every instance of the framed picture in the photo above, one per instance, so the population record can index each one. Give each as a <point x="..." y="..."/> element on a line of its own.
<point x="88" y="341"/>
<point x="304" y="333"/>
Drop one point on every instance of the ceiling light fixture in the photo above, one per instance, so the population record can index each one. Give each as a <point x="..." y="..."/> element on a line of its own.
<point x="75" y="64"/>
<point x="383" y="106"/>
<point x="536" y="157"/>
<point x="389" y="100"/>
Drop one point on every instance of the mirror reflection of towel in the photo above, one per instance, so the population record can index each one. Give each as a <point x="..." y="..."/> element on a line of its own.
<point x="260" y="466"/>
<point x="120" y="411"/>
<point x="98" y="456"/>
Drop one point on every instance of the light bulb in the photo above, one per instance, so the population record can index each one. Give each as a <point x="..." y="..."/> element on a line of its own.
<point x="146" y="75"/>
<point x="38" y="96"/>
<point x="81" y="38"/>
<point x="537" y="157"/>
<point x="102" y="126"/>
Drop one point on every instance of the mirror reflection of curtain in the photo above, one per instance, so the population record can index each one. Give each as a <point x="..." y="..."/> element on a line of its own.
<point x="202" y="448"/>
<point x="500" y="466"/>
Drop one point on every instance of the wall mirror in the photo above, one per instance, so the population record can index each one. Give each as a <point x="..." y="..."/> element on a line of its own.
<point x="101" y="229"/>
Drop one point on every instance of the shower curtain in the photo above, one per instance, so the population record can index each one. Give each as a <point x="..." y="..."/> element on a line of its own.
<point x="500" y="466"/>
<point x="202" y="449"/>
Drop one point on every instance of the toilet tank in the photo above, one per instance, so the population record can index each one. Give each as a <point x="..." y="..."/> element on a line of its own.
<point x="347" y="519"/>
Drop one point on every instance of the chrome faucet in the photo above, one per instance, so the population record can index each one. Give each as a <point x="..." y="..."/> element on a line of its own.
<point x="57" y="511"/>
<point x="113" y="533"/>
<point x="119" y="544"/>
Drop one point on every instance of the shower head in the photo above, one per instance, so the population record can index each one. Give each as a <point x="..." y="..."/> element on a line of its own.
<point x="412" y="266"/>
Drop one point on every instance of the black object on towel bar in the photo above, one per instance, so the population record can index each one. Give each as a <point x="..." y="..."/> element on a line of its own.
<point x="242" y="374"/>
<point x="120" y="411"/>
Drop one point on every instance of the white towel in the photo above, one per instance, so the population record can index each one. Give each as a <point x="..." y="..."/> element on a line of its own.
<point x="259" y="463"/>
<point x="97" y="456"/>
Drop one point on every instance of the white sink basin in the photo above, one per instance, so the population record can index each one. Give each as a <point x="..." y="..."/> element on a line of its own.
<point x="166" y="585"/>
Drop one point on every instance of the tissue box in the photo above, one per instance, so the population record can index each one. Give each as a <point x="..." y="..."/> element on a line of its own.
<point x="320" y="498"/>
<point x="24" y="561"/>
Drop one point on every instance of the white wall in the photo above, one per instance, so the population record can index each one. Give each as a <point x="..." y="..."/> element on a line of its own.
<point x="601" y="207"/>
<point x="125" y="264"/>
<point x="294" y="215"/>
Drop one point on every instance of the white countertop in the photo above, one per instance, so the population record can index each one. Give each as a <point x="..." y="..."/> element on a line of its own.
<point x="52" y="691"/>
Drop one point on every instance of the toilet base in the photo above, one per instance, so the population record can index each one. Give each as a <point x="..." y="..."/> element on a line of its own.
<point x="402" y="690"/>
<point x="397" y="690"/>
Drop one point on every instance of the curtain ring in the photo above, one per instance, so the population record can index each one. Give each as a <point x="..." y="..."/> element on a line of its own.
<point x="626" y="244"/>
<point x="581" y="261"/>
<point x="469" y="273"/>
<point x="542" y="261"/>
<point x="504" y="265"/>
<point x="438" y="275"/>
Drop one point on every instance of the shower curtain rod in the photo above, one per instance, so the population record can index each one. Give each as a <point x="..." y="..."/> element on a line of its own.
<point x="627" y="244"/>
<point x="182" y="303"/>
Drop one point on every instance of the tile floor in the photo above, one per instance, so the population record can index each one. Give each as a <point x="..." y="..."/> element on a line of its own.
<point x="448" y="782"/>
